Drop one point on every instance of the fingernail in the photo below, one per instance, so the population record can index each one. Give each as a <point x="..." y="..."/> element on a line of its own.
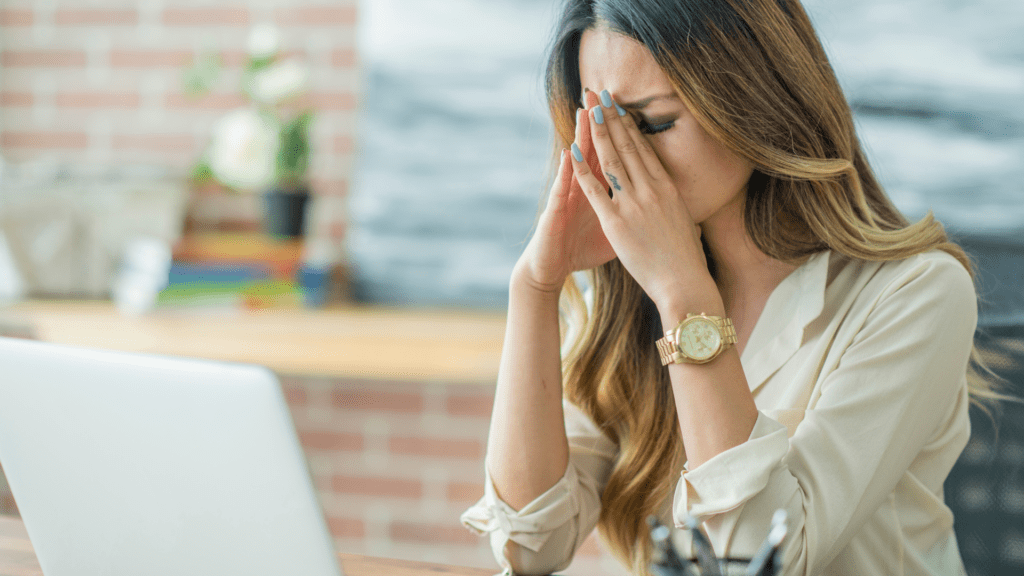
<point x="606" y="99"/>
<point x="576" y="153"/>
<point x="578" y="110"/>
<point x="598" y="115"/>
<point x="622" y="112"/>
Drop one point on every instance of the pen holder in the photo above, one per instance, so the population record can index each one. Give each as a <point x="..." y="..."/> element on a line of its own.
<point x="667" y="561"/>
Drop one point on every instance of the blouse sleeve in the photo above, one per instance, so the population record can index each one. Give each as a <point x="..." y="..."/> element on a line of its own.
<point x="542" y="537"/>
<point x="895" y="385"/>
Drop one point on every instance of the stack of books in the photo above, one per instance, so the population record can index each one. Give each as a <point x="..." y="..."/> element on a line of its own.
<point x="238" y="269"/>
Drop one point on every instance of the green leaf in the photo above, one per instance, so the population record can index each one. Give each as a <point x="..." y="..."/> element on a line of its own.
<point x="293" y="155"/>
<point x="202" y="173"/>
<point x="252" y="67"/>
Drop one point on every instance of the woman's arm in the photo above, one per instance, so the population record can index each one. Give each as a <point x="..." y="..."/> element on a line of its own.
<point x="546" y="461"/>
<point x="892" y="391"/>
<point x="527" y="450"/>
<point x="655" y="238"/>
<point x="543" y="492"/>
<point x="896" y="380"/>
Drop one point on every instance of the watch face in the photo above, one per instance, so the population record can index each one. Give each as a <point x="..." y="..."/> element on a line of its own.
<point x="698" y="338"/>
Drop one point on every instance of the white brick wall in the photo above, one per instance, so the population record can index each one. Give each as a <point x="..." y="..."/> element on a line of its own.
<point x="99" y="81"/>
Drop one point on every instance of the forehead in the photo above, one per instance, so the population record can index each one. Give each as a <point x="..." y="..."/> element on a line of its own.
<point x="617" y="63"/>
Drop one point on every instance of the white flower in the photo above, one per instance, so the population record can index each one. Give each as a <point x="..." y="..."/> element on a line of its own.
<point x="264" y="41"/>
<point x="280" y="81"/>
<point x="243" y="151"/>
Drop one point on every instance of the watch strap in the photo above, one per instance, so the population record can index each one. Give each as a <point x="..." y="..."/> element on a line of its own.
<point x="670" y="353"/>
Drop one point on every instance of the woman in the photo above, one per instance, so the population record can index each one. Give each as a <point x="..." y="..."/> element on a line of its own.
<point x="725" y="179"/>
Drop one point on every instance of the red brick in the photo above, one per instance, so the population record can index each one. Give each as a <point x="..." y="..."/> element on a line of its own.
<point x="11" y="17"/>
<point x="333" y="100"/>
<point x="377" y="486"/>
<point x="325" y="15"/>
<point x="43" y="58"/>
<point x="109" y="17"/>
<point x="432" y="533"/>
<point x="233" y="58"/>
<point x="97" y="100"/>
<point x="154" y="142"/>
<point x="63" y="140"/>
<point x="344" y="58"/>
<point x="475" y="405"/>
<point x="206" y="17"/>
<point x="436" y="447"/>
<point x="346" y="527"/>
<point x="331" y="440"/>
<point x="16" y="99"/>
<point x="343" y="145"/>
<point x="294" y="394"/>
<point x="224" y="101"/>
<point x="464" y="491"/>
<point x="236" y="58"/>
<point x="373" y="400"/>
<point x="150" y="58"/>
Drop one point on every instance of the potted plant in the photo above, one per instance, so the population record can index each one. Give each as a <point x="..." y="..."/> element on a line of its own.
<point x="262" y="147"/>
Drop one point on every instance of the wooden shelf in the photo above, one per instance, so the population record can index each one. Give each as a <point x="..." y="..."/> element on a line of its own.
<point x="356" y="342"/>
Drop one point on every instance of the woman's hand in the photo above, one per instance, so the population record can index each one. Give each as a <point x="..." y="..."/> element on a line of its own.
<point x="645" y="220"/>
<point x="568" y="235"/>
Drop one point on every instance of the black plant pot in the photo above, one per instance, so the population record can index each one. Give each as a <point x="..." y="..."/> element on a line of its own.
<point x="286" y="212"/>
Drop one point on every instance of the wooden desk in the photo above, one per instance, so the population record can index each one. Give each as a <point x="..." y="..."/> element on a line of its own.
<point x="18" y="559"/>
<point x="451" y="346"/>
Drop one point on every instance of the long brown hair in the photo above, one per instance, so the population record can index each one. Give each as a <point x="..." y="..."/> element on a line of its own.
<point x="754" y="75"/>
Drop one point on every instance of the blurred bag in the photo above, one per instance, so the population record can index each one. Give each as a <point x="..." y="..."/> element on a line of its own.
<point x="67" y="233"/>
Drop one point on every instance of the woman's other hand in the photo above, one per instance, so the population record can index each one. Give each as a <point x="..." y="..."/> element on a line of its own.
<point x="568" y="236"/>
<point x="646" y="220"/>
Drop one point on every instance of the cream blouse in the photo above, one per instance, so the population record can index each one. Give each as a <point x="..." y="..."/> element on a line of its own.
<point x="858" y="370"/>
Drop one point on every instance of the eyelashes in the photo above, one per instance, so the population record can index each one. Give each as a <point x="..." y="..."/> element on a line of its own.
<point x="646" y="128"/>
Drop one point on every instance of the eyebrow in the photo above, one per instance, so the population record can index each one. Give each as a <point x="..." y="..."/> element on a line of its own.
<point x="637" y="105"/>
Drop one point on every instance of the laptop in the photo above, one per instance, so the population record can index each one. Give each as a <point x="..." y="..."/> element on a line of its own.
<point x="127" y="464"/>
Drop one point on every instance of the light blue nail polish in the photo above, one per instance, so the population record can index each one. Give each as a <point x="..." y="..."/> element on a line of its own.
<point x="598" y="115"/>
<point x="576" y="153"/>
<point x="606" y="99"/>
<point x="622" y="111"/>
<point x="578" y="111"/>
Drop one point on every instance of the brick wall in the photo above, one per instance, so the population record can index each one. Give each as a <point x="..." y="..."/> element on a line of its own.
<point x="100" y="82"/>
<point x="395" y="465"/>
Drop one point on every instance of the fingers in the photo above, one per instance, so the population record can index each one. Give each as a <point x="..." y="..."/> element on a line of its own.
<point x="620" y="158"/>
<point x="563" y="179"/>
<point x="584" y="139"/>
<point x="591" y="99"/>
<point x="644" y="151"/>
<point x="593" y="189"/>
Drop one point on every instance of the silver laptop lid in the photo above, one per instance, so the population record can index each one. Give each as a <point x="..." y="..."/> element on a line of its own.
<point x="129" y="464"/>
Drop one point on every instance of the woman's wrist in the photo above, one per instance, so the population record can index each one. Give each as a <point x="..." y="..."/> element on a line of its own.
<point x="698" y="298"/>
<point x="524" y="283"/>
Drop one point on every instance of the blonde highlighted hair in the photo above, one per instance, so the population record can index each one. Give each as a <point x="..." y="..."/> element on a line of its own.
<point x="754" y="75"/>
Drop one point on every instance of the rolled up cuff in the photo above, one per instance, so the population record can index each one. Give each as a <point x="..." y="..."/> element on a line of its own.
<point x="531" y="526"/>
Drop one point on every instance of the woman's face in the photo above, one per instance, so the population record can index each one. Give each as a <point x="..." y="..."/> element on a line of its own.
<point x="708" y="176"/>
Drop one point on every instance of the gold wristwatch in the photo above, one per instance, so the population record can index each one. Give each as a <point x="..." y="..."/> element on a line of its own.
<point x="698" y="339"/>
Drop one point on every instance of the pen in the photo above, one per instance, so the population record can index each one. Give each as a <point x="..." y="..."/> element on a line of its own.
<point x="705" y="554"/>
<point x="667" y="561"/>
